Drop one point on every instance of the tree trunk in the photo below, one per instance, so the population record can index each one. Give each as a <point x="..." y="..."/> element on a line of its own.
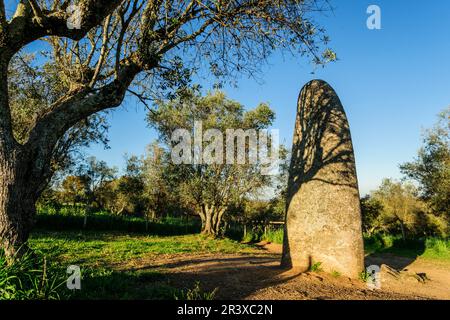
<point x="211" y="220"/>
<point x="218" y="221"/>
<point x="207" y="226"/>
<point x="18" y="194"/>
<point x="402" y="227"/>
<point x="208" y="220"/>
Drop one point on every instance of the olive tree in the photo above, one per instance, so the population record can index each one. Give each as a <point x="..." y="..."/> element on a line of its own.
<point x="101" y="50"/>
<point x="219" y="179"/>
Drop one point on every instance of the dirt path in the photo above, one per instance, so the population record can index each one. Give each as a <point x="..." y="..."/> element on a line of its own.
<point x="258" y="276"/>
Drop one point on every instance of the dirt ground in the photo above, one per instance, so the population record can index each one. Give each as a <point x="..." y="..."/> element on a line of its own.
<point x="258" y="276"/>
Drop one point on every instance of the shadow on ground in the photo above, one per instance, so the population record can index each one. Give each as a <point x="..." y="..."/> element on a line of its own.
<point x="235" y="277"/>
<point x="252" y="276"/>
<point x="399" y="256"/>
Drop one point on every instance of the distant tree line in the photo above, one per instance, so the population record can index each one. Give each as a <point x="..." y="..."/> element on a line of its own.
<point x="419" y="204"/>
<point x="153" y="186"/>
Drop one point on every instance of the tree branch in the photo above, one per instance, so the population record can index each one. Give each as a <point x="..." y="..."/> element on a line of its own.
<point x="30" y="22"/>
<point x="49" y="128"/>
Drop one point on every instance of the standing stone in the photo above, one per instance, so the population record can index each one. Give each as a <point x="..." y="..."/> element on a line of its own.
<point x="323" y="214"/>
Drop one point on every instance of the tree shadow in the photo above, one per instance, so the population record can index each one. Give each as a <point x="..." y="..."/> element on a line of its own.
<point x="233" y="277"/>
<point x="192" y="262"/>
<point x="399" y="256"/>
<point x="236" y="283"/>
<point x="322" y="138"/>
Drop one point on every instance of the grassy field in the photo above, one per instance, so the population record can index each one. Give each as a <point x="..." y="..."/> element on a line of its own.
<point x="98" y="254"/>
<point x="102" y="249"/>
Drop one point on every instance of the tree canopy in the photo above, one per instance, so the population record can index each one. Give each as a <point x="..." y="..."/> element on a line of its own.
<point x="431" y="168"/>
<point x="212" y="187"/>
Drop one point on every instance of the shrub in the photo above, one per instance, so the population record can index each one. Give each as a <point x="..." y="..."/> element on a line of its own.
<point x="251" y="236"/>
<point x="316" y="267"/>
<point x="31" y="277"/>
<point x="274" y="236"/>
<point x="364" y="276"/>
<point x="195" y="293"/>
<point x="438" y="246"/>
<point x="257" y="235"/>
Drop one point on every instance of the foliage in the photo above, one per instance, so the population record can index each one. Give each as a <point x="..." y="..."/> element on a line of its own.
<point x="195" y="293"/>
<point x="160" y="183"/>
<point x="210" y="188"/>
<point x="371" y="209"/>
<point x="316" y="267"/>
<point x="437" y="248"/>
<point x="262" y="211"/>
<point x="142" y="48"/>
<point x="75" y="190"/>
<point x="274" y="236"/>
<point x="33" y="89"/>
<point x="431" y="168"/>
<point x="258" y="234"/>
<point x="417" y="212"/>
<point x="396" y="207"/>
<point x="125" y="42"/>
<point x="31" y="277"/>
<point x="336" y="274"/>
<point x="364" y="276"/>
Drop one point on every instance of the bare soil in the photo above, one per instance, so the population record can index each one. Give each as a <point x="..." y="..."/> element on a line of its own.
<point x="258" y="276"/>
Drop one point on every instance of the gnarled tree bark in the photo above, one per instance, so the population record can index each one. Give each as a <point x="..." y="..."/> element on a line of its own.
<point x="18" y="194"/>
<point x="211" y="219"/>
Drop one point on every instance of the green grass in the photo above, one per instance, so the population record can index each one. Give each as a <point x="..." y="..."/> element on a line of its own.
<point x="429" y="248"/>
<point x="99" y="253"/>
<point x="31" y="277"/>
<point x="196" y="293"/>
<point x="316" y="267"/>
<point x="94" y="248"/>
<point x="273" y="236"/>
<point x="103" y="256"/>
<point x="364" y="276"/>
<point x="437" y="249"/>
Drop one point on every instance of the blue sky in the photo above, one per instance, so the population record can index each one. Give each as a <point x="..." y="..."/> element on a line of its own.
<point x="392" y="83"/>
